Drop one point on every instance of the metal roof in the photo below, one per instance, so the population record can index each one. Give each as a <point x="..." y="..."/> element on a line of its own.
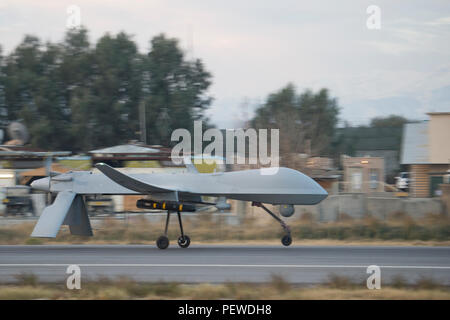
<point x="126" y="148"/>
<point x="41" y="172"/>
<point x="369" y="138"/>
<point x="415" y="143"/>
<point x="34" y="154"/>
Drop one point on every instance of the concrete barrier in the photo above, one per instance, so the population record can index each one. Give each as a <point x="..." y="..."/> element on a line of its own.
<point x="359" y="205"/>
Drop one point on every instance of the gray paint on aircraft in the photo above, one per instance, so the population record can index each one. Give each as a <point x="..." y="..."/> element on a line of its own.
<point x="274" y="186"/>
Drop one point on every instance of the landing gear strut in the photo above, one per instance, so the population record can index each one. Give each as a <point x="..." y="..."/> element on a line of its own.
<point x="183" y="241"/>
<point x="286" y="240"/>
<point x="163" y="241"/>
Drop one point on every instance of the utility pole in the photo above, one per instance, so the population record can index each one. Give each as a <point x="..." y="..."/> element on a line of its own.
<point x="142" y="114"/>
<point x="143" y="122"/>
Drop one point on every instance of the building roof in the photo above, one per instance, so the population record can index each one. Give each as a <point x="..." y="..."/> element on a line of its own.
<point x="41" y="172"/>
<point x="369" y="138"/>
<point x="126" y="148"/>
<point x="438" y="113"/>
<point x="415" y="146"/>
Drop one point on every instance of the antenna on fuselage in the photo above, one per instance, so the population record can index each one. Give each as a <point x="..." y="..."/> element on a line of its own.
<point x="189" y="165"/>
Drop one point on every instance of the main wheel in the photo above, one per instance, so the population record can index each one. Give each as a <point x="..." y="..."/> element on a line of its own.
<point x="184" y="242"/>
<point x="162" y="242"/>
<point x="286" y="240"/>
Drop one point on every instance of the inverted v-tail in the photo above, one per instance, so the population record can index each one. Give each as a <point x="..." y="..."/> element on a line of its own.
<point x="129" y="182"/>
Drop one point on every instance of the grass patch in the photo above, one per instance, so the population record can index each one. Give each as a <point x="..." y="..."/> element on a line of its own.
<point x="337" y="287"/>
<point x="339" y="282"/>
<point x="205" y="227"/>
<point x="27" y="279"/>
<point x="26" y="293"/>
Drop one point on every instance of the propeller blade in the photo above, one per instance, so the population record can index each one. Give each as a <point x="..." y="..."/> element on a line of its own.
<point x="48" y="173"/>
<point x="48" y="165"/>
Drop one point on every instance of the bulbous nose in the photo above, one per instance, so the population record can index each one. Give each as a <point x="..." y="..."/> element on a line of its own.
<point x="41" y="184"/>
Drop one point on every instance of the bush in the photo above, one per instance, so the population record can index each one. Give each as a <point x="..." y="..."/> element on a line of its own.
<point x="339" y="282"/>
<point x="33" y="241"/>
<point x="27" y="279"/>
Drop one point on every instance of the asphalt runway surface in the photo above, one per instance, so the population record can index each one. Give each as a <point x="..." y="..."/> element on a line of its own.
<point x="223" y="263"/>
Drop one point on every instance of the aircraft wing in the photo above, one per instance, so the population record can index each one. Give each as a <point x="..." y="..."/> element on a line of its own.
<point x="128" y="181"/>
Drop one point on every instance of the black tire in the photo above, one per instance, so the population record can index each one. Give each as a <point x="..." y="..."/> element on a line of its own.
<point x="184" y="242"/>
<point x="286" y="240"/>
<point x="162" y="242"/>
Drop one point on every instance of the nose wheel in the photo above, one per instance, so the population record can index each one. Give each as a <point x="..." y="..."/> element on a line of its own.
<point x="286" y="240"/>
<point x="183" y="241"/>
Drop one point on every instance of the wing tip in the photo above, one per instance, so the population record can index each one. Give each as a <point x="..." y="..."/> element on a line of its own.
<point x="103" y="167"/>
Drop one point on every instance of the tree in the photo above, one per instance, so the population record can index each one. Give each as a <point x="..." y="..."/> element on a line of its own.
<point x="389" y="121"/>
<point x="21" y="70"/>
<point x="33" y="92"/>
<point x="75" y="96"/>
<point x="177" y="90"/>
<point x="3" y="106"/>
<point x="306" y="121"/>
<point x="115" y="90"/>
<point x="319" y="117"/>
<point x="383" y="133"/>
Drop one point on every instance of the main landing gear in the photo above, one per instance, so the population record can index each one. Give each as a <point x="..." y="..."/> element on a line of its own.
<point x="163" y="241"/>
<point x="286" y="240"/>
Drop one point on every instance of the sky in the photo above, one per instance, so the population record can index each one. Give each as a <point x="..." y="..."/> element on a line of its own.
<point x="254" y="48"/>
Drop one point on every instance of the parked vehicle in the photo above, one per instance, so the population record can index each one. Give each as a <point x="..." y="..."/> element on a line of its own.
<point x="99" y="205"/>
<point x="402" y="181"/>
<point x="18" y="201"/>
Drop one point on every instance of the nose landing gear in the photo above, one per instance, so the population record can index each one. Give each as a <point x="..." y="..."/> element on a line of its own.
<point x="286" y="240"/>
<point x="184" y="241"/>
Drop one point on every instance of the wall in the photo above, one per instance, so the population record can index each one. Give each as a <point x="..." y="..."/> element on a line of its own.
<point x="419" y="181"/>
<point x="358" y="205"/>
<point x="391" y="157"/>
<point x="363" y="165"/>
<point x="7" y="179"/>
<point x="438" y="135"/>
<point x="446" y="197"/>
<point x="420" y="175"/>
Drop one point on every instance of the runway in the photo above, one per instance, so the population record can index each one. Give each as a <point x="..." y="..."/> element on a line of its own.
<point x="223" y="263"/>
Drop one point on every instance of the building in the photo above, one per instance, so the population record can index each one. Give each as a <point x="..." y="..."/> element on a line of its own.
<point x="322" y="170"/>
<point x="23" y="157"/>
<point x="30" y="175"/>
<point x="382" y="142"/>
<point x="426" y="154"/>
<point x="133" y="155"/>
<point x="363" y="174"/>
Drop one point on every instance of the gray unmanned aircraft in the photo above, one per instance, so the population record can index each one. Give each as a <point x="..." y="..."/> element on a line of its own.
<point x="180" y="192"/>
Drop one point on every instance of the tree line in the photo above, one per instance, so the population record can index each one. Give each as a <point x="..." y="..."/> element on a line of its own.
<point x="76" y="95"/>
